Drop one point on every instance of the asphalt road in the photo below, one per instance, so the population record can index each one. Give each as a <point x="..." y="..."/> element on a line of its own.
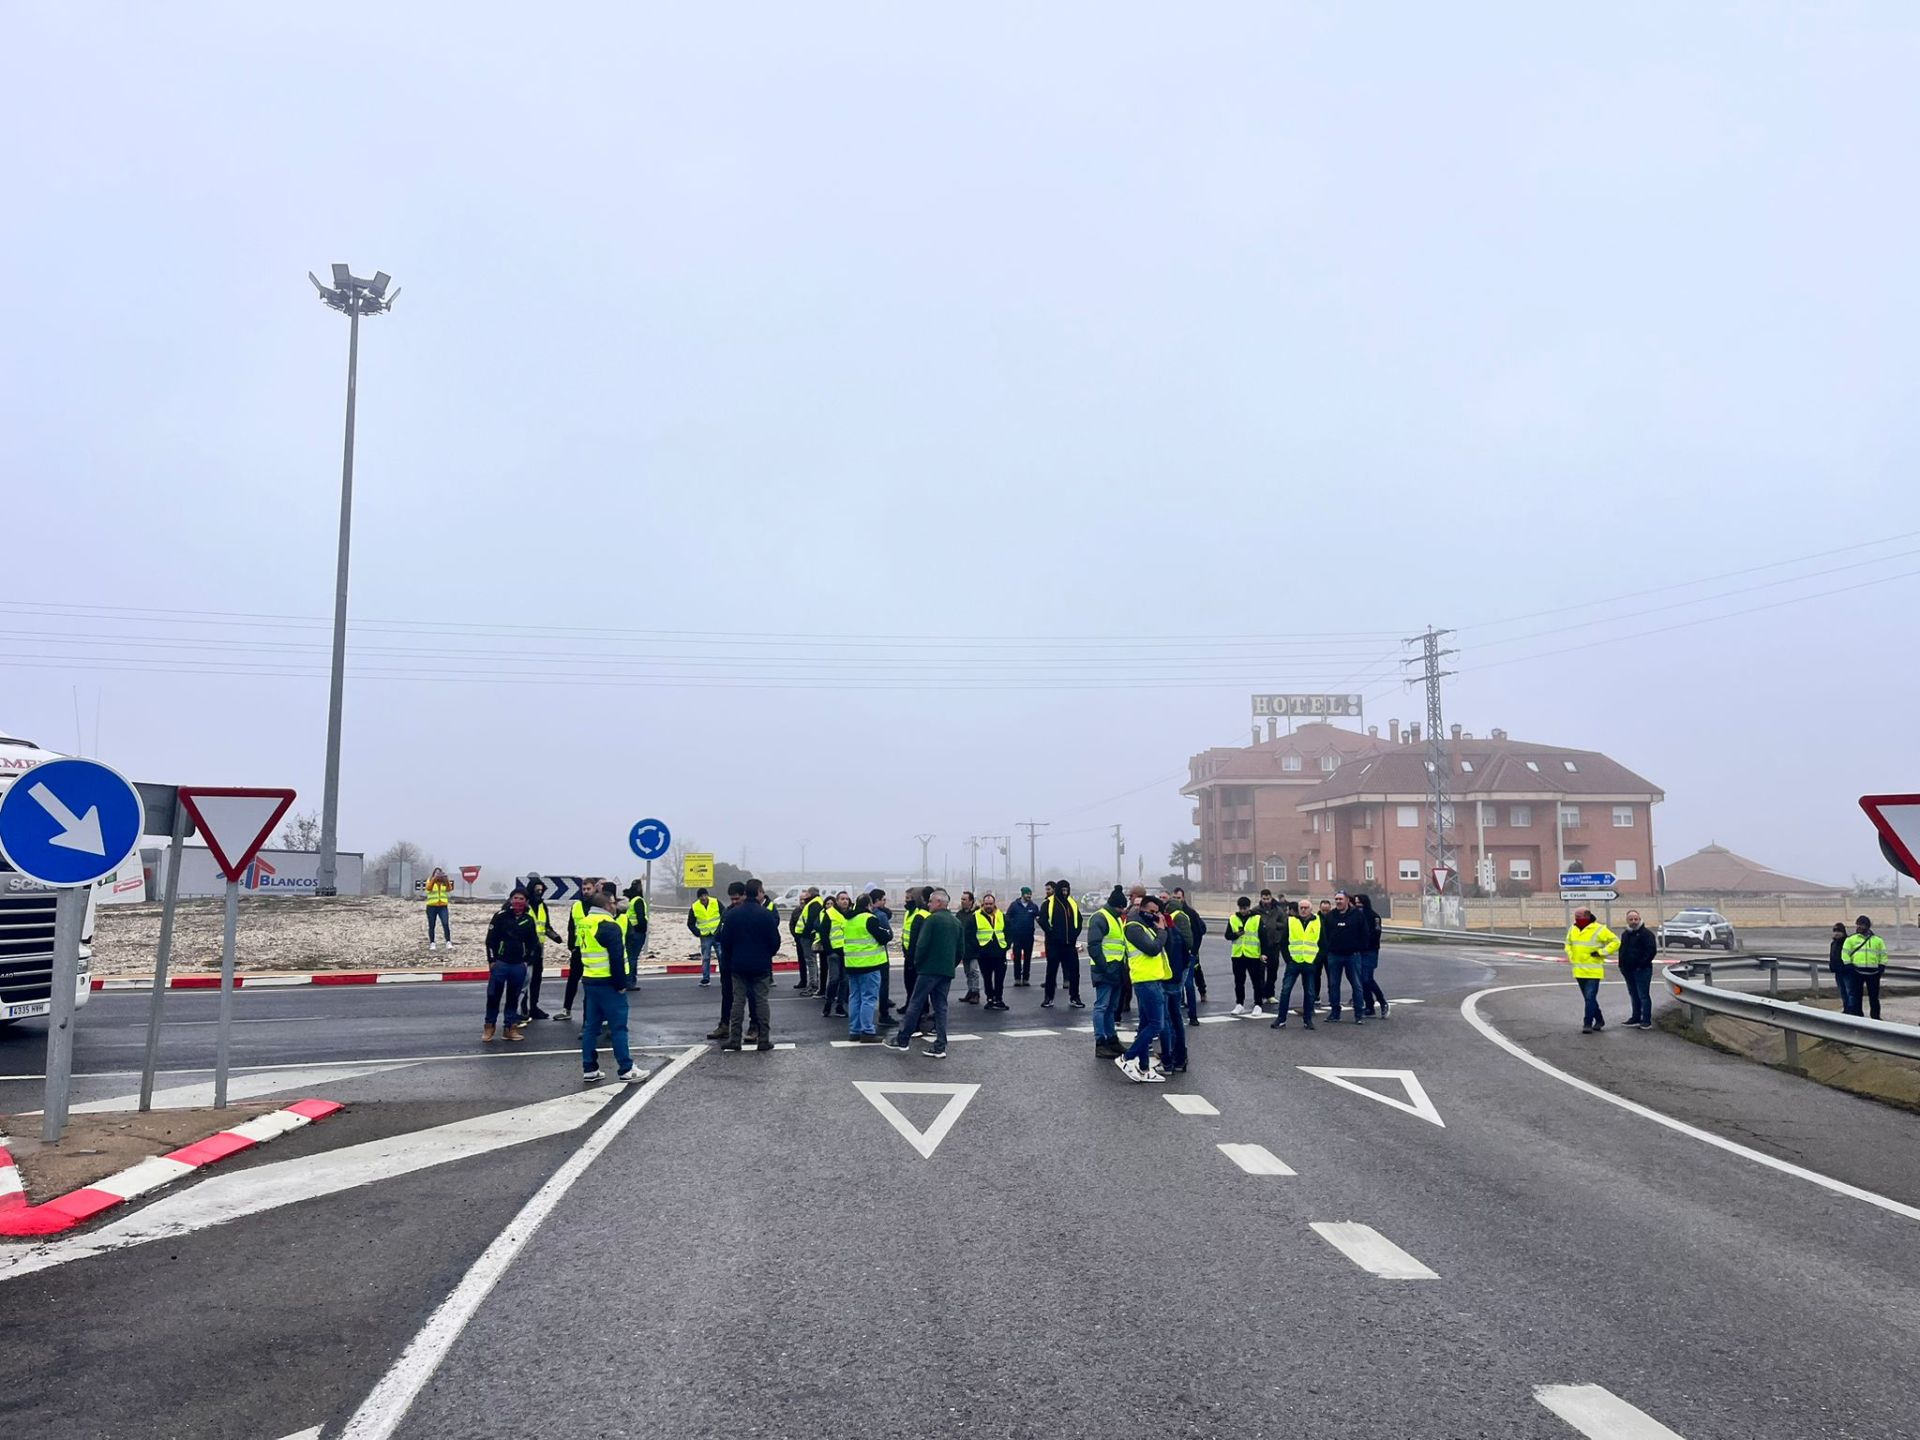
<point x="748" y="1245"/>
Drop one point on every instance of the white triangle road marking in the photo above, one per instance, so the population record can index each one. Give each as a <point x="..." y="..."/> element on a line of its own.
<point x="925" y="1142"/>
<point x="1599" y="1414"/>
<point x="1416" y="1103"/>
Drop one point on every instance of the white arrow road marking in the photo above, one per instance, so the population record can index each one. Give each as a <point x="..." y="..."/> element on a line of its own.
<point x="240" y="1087"/>
<point x="1191" y="1104"/>
<point x="77" y="832"/>
<point x="223" y="1198"/>
<point x="1372" y="1251"/>
<point x="1599" y="1414"/>
<point x="1416" y="1102"/>
<point x="924" y="1141"/>
<point x="381" y="1412"/>
<point x="1255" y="1159"/>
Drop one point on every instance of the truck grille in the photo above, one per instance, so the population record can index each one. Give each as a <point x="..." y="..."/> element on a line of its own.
<point x="26" y="946"/>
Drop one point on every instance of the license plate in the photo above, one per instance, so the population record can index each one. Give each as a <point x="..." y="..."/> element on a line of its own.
<point x="31" y="1007"/>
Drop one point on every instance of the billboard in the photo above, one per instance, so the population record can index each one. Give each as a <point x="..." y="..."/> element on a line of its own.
<point x="272" y="872"/>
<point x="1319" y="707"/>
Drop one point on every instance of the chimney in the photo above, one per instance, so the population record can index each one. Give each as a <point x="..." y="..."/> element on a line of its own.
<point x="1413" y="732"/>
<point x="1499" y="734"/>
<point x="1273" y="728"/>
<point x="1256" y="734"/>
<point x="1373" y="732"/>
<point x="1456" y="732"/>
<point x="1393" y="731"/>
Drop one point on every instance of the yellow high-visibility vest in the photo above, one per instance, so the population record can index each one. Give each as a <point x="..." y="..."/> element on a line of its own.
<point x="595" y="962"/>
<point x="1303" y="940"/>
<point x="438" y="891"/>
<point x="1866" y="952"/>
<point x="859" y="950"/>
<point x="1588" y="949"/>
<point x="1244" y="932"/>
<point x="1142" y="968"/>
<point x="990" y="931"/>
<point x="706" y="915"/>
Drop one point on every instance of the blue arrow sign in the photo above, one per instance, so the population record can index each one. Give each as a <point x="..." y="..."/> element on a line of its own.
<point x="1587" y="880"/>
<point x="70" y="822"/>
<point x="650" y="839"/>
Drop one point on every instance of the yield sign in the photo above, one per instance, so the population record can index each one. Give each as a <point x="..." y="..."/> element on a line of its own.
<point x="1441" y="875"/>
<point x="1416" y="1103"/>
<point x="928" y="1140"/>
<point x="236" y="821"/>
<point x="1897" y="818"/>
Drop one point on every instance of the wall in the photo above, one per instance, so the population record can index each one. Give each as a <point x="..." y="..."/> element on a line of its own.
<point x="274" y="872"/>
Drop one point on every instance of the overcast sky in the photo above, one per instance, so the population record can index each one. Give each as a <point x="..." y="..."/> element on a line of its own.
<point x="1128" y="358"/>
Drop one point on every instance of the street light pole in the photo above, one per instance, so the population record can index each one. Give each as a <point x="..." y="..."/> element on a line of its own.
<point x="352" y="297"/>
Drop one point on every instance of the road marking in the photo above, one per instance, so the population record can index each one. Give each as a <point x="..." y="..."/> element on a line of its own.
<point x="312" y="1434"/>
<point x="1470" y="1008"/>
<point x="849" y="1044"/>
<point x="1191" y="1104"/>
<point x="924" y="1141"/>
<point x="1254" y="1159"/>
<point x="1599" y="1414"/>
<point x="514" y="1054"/>
<point x="1372" y="1251"/>
<point x="1416" y="1103"/>
<point x="241" y="1087"/>
<point x="381" y="1412"/>
<point x="268" y="1187"/>
<point x="1025" y="1034"/>
<point x="1218" y="1019"/>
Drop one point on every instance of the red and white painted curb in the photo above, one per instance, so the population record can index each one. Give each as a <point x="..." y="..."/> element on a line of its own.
<point x="278" y="980"/>
<point x="79" y="1206"/>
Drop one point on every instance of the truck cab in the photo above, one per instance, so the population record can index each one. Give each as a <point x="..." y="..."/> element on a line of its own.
<point x="26" y="916"/>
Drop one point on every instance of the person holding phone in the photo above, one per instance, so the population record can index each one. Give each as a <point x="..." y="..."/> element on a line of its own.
<point x="439" y="896"/>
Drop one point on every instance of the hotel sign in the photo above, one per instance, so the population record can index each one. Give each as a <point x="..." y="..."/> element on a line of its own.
<point x="1297" y="706"/>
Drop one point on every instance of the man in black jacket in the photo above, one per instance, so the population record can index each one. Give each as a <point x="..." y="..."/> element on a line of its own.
<point x="1638" y="950"/>
<point x="749" y="939"/>
<point x="512" y="938"/>
<point x="1196" y="978"/>
<point x="1344" y="934"/>
<point x="1060" y="924"/>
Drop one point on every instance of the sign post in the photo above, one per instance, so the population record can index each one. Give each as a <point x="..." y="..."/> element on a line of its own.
<point x="66" y="825"/>
<point x="236" y="821"/>
<point x="177" y="827"/>
<point x="469" y="873"/>
<point x="649" y="839"/>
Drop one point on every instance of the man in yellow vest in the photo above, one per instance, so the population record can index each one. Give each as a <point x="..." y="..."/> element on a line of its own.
<point x="576" y="923"/>
<point x="1243" y="935"/>
<point x="605" y="979"/>
<point x="703" y="921"/>
<point x="1305" y="948"/>
<point x="1141" y="943"/>
<point x="829" y="938"/>
<point x="805" y="915"/>
<point x="864" y="936"/>
<point x="990" y="946"/>
<point x="1864" y="954"/>
<point x="1589" y="946"/>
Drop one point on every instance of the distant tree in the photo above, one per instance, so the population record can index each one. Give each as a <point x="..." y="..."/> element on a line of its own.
<point x="400" y="852"/>
<point x="301" y="832"/>
<point x="1171" y="881"/>
<point x="1185" y="854"/>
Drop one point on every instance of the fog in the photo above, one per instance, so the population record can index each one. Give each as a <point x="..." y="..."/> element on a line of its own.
<point x="837" y="422"/>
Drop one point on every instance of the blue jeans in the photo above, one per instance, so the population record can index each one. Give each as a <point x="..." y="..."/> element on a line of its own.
<point x="1639" y="980"/>
<point x="1173" y="1039"/>
<point x="929" y="993"/>
<point x="438" y="912"/>
<point x="1192" y="992"/>
<point x="863" y="1001"/>
<point x="1848" y="979"/>
<point x="709" y="952"/>
<point x="1369" y="988"/>
<point x="1590" y="991"/>
<point x="603" y="1003"/>
<point x="1151" y="997"/>
<point x="1309" y="978"/>
<point x="1106" y="1006"/>
<point x="508" y="980"/>
<point x="1345" y="967"/>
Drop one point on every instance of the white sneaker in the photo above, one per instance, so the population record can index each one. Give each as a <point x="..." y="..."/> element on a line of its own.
<point x="633" y="1074"/>
<point x="1153" y="1077"/>
<point x="1239" y="1010"/>
<point x="592" y="1077"/>
<point x="1129" y="1069"/>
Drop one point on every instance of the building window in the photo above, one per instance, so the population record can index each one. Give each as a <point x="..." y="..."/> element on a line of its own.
<point x="1571" y="767"/>
<point x="1329" y="763"/>
<point x="1316" y="823"/>
<point x="1301" y="872"/>
<point x="1274" y="870"/>
<point x="1245" y="831"/>
<point x="1289" y="762"/>
<point x="1316" y="872"/>
<point x="1626" y="869"/>
<point x="1570" y="816"/>
<point x="1369" y="870"/>
<point x="1623" y="817"/>
<point x="1467" y="765"/>
<point x="1490" y="816"/>
<point x="1409" y="869"/>
<point x="1520" y="817"/>
<point x="1534" y="766"/>
<point x="1520" y="869"/>
<point x="1407" y="817"/>
<point x="1363" y="819"/>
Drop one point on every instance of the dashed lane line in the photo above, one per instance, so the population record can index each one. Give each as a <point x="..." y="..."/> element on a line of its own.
<point x="1191" y="1104"/>
<point x="1470" y="1009"/>
<point x="1599" y="1414"/>
<point x="1371" y="1250"/>
<point x="1255" y="1159"/>
<point x="1026" y="1034"/>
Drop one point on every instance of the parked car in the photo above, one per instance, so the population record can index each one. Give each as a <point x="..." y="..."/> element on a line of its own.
<point x="1697" y="930"/>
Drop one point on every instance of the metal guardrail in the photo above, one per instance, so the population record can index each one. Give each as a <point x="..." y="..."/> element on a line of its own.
<point x="1483" y="937"/>
<point x="1692" y="983"/>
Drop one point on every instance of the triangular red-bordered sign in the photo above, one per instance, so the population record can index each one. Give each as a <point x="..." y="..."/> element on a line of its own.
<point x="235" y="820"/>
<point x="1897" y="818"/>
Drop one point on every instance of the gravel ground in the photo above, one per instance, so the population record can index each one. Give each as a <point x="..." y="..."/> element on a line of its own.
<point x="342" y="933"/>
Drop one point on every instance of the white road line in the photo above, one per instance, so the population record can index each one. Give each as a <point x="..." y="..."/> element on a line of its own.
<point x="514" y="1054"/>
<point x="381" y="1412"/>
<point x="1191" y="1104"/>
<point x="312" y="1434"/>
<point x="1599" y="1414"/>
<point x="1372" y="1251"/>
<point x="1470" y="1008"/>
<point x="241" y="1087"/>
<point x="1219" y="1019"/>
<point x="1254" y="1159"/>
<point x="1026" y="1034"/>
